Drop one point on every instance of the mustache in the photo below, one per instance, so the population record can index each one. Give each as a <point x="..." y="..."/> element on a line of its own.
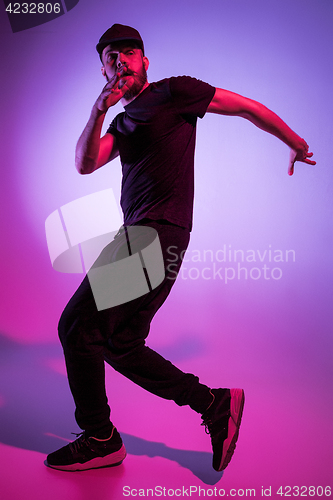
<point x="124" y="70"/>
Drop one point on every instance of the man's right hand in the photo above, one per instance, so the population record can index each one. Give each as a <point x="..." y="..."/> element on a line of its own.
<point x="113" y="91"/>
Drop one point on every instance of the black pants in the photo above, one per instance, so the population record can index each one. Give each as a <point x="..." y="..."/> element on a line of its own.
<point x="117" y="335"/>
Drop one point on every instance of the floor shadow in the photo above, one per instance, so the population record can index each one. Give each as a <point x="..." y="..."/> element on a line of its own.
<point x="198" y="462"/>
<point x="36" y="408"/>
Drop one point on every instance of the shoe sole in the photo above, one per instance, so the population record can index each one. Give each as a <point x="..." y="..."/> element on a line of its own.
<point x="237" y="399"/>
<point x="111" y="460"/>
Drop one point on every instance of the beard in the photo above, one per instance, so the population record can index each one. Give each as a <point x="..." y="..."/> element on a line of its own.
<point x="139" y="81"/>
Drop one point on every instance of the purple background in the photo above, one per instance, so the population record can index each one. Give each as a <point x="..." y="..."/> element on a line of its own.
<point x="271" y="336"/>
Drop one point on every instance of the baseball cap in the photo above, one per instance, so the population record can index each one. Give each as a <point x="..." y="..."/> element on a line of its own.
<point x="118" y="33"/>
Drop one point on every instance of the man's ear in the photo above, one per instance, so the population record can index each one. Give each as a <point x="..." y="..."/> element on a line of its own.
<point x="145" y="62"/>
<point x="103" y="71"/>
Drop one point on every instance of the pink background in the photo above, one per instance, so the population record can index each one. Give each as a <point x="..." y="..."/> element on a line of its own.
<point x="273" y="337"/>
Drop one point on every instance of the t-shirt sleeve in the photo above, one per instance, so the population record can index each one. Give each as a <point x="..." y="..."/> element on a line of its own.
<point x="112" y="127"/>
<point x="191" y="96"/>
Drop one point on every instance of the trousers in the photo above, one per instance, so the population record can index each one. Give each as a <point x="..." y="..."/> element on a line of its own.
<point x="117" y="335"/>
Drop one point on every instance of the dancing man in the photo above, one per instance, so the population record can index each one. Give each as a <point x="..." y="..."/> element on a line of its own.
<point x="155" y="139"/>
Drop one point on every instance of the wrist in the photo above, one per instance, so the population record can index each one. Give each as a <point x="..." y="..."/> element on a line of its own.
<point x="96" y="112"/>
<point x="296" y="142"/>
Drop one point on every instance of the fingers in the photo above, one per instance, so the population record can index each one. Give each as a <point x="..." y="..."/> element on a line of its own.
<point x="122" y="86"/>
<point x="112" y="92"/>
<point x="126" y="83"/>
<point x="291" y="168"/>
<point x="111" y="84"/>
<point x="306" y="159"/>
<point x="310" y="162"/>
<point x="292" y="159"/>
<point x="296" y="156"/>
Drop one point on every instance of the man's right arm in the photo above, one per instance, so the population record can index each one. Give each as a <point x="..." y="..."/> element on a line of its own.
<point x="92" y="150"/>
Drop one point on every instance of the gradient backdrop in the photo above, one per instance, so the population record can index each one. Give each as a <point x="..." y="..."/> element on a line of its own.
<point x="266" y="327"/>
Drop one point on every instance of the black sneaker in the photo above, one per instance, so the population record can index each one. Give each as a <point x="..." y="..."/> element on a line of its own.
<point x="222" y="421"/>
<point x="88" y="453"/>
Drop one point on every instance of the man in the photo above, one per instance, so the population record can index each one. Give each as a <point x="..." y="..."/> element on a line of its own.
<point x="155" y="138"/>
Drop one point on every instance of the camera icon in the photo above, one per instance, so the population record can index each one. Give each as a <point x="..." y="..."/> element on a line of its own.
<point x="121" y="265"/>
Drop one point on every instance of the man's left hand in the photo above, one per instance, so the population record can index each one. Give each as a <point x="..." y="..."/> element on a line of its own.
<point x="301" y="154"/>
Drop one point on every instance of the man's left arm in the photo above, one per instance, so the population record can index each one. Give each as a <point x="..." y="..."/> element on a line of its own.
<point x="225" y="102"/>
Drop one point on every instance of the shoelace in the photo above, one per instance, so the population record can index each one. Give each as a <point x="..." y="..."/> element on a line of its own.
<point x="79" y="442"/>
<point x="207" y="422"/>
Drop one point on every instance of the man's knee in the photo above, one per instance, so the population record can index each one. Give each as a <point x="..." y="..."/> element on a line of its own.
<point x="63" y="327"/>
<point x="68" y="325"/>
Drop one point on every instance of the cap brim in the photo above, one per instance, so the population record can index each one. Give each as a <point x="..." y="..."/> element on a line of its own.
<point x="101" y="45"/>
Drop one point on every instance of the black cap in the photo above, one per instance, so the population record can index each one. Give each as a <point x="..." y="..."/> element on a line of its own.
<point x="118" y="33"/>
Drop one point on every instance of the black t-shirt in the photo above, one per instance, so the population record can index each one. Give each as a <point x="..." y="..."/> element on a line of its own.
<point x="156" y="140"/>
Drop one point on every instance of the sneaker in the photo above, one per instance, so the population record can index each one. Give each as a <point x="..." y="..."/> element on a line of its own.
<point x="222" y="421"/>
<point x="88" y="453"/>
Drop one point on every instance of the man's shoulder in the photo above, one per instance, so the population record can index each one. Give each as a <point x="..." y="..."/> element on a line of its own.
<point x="182" y="84"/>
<point x="179" y="79"/>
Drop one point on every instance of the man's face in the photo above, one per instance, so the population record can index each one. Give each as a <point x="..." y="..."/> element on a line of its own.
<point x="127" y="59"/>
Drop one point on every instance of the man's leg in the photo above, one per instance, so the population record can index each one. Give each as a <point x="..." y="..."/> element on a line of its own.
<point x="100" y="444"/>
<point x="221" y="409"/>
<point x="119" y="334"/>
